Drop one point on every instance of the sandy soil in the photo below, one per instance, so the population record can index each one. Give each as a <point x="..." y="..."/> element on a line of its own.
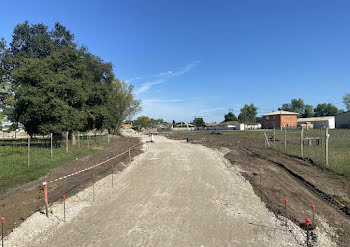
<point x="174" y="194"/>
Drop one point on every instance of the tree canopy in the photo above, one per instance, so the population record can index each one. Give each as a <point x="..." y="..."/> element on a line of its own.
<point x="230" y="117"/>
<point x="49" y="84"/>
<point x="346" y="100"/>
<point x="248" y="114"/>
<point x="298" y="106"/>
<point x="198" y="122"/>
<point x="324" y="109"/>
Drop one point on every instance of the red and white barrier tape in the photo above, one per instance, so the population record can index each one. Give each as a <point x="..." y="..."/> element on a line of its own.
<point x="89" y="168"/>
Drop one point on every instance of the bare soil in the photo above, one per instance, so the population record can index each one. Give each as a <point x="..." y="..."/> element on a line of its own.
<point x="21" y="202"/>
<point x="285" y="177"/>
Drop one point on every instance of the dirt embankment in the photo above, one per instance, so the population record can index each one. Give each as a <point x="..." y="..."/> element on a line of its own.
<point x="21" y="202"/>
<point x="302" y="183"/>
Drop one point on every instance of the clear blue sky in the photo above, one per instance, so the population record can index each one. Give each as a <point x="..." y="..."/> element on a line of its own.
<point x="200" y="58"/>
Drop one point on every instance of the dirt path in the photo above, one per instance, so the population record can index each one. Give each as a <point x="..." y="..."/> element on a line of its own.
<point x="302" y="183"/>
<point x="175" y="194"/>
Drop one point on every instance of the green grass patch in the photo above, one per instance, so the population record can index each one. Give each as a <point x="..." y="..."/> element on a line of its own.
<point x="339" y="146"/>
<point x="14" y="168"/>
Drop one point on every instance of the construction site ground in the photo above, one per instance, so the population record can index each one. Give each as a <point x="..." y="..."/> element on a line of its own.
<point x="17" y="204"/>
<point x="285" y="177"/>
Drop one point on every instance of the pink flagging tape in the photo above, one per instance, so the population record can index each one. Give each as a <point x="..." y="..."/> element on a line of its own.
<point x="91" y="167"/>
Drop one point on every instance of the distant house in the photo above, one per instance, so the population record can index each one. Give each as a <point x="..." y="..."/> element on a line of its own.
<point x="126" y="126"/>
<point x="342" y="121"/>
<point x="318" y="122"/>
<point x="230" y="125"/>
<point x="252" y="126"/>
<point x="211" y="126"/>
<point x="280" y="119"/>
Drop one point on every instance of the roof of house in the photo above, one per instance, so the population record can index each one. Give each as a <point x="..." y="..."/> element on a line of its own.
<point x="211" y="124"/>
<point x="229" y="123"/>
<point x="281" y="113"/>
<point x="315" y="119"/>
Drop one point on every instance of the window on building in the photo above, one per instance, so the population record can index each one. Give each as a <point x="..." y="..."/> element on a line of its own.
<point x="267" y="117"/>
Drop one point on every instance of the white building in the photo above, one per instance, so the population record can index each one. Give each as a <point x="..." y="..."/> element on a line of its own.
<point x="319" y="122"/>
<point x="342" y="121"/>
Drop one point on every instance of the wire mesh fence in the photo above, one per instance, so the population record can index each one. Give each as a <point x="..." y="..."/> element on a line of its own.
<point x="23" y="159"/>
<point x="311" y="145"/>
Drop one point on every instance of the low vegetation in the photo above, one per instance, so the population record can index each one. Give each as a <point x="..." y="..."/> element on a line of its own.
<point x="14" y="166"/>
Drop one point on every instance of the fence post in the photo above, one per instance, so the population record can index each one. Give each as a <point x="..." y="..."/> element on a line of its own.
<point x="88" y="140"/>
<point x="285" y="139"/>
<point x="326" y="147"/>
<point x="129" y="156"/>
<point x="45" y="198"/>
<point x="274" y="136"/>
<point x="67" y="141"/>
<point x="302" y="142"/>
<point x="51" y="150"/>
<point x="28" y="161"/>
<point x="108" y="137"/>
<point x="78" y="139"/>
<point x="266" y="140"/>
<point x="2" y="231"/>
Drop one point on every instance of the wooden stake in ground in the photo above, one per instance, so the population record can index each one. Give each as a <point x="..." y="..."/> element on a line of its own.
<point x="112" y="166"/>
<point x="64" y="207"/>
<point x="78" y="140"/>
<point x="28" y="161"/>
<point x="93" y="186"/>
<point x="2" y="231"/>
<point x="67" y="141"/>
<point x="88" y="140"/>
<point x="51" y="150"/>
<point x="326" y="147"/>
<point x="302" y="142"/>
<point x="108" y="137"/>
<point x="285" y="139"/>
<point x="267" y="140"/>
<point x="274" y="136"/>
<point x="285" y="210"/>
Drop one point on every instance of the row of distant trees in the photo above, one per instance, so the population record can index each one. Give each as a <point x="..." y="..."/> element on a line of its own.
<point x="321" y="110"/>
<point x="50" y="84"/>
<point x="248" y="113"/>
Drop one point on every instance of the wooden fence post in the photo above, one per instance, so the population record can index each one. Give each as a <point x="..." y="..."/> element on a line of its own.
<point x="78" y="140"/>
<point x="51" y="150"/>
<point x="88" y="140"/>
<point x="274" y="136"/>
<point x="285" y="139"/>
<point x="67" y="133"/>
<point x="302" y="142"/>
<point x="326" y="147"/>
<point x="267" y="140"/>
<point x="28" y="161"/>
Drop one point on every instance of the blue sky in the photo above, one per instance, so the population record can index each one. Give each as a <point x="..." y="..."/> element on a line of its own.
<point x="202" y="58"/>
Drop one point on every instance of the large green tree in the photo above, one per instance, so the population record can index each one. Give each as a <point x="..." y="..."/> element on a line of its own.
<point x="50" y="84"/>
<point x="198" y="122"/>
<point x="121" y="105"/>
<point x="248" y="114"/>
<point x="346" y="100"/>
<point x="298" y="105"/>
<point x="230" y="117"/>
<point x="325" y="109"/>
<point x="142" y="121"/>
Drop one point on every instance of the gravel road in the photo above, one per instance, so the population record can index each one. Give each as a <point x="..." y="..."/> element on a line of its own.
<point x="174" y="194"/>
